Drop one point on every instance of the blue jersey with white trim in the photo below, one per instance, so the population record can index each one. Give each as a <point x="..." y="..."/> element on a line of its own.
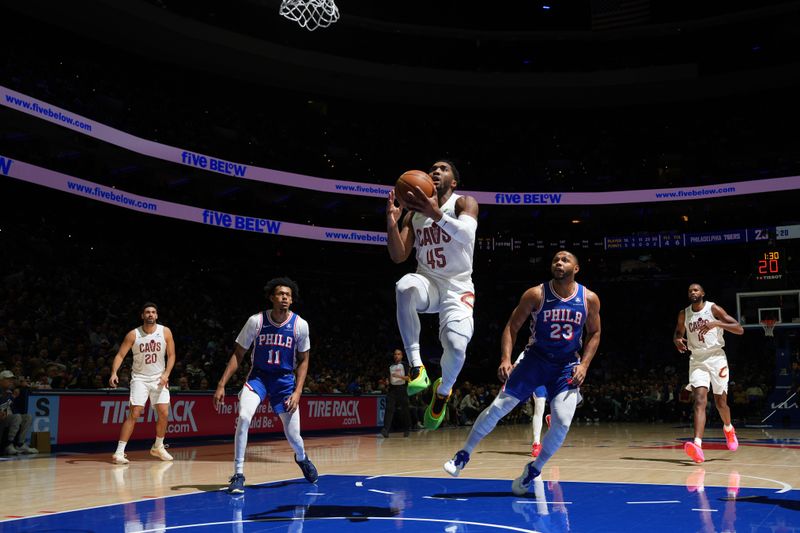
<point x="275" y="344"/>
<point x="557" y="325"/>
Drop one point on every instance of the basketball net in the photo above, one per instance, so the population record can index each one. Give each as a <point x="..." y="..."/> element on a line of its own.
<point x="310" y="14"/>
<point x="769" y="326"/>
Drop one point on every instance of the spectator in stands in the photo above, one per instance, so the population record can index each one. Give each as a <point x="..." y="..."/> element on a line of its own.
<point x="42" y="382"/>
<point x="13" y="414"/>
<point x="470" y="406"/>
<point x="183" y="384"/>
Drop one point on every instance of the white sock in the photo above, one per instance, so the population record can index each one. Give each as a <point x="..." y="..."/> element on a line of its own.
<point x="120" y="447"/>
<point x="414" y="357"/>
<point x="698" y="441"/>
<point x="159" y="442"/>
<point x="727" y="427"/>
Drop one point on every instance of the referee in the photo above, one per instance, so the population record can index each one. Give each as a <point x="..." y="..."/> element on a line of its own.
<point x="397" y="397"/>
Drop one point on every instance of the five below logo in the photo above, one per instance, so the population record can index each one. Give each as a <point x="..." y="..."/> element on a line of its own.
<point x="5" y="165"/>
<point x="116" y="411"/>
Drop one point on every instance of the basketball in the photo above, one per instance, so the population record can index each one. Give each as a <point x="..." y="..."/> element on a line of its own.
<point x="410" y="179"/>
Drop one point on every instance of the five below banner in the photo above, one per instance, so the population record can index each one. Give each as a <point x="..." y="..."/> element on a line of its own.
<point x="65" y="118"/>
<point x="94" y="191"/>
<point x="74" y="419"/>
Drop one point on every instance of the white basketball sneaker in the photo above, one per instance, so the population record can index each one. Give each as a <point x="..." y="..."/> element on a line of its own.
<point x="119" y="459"/>
<point x="161" y="453"/>
<point x="521" y="485"/>
<point x="455" y="465"/>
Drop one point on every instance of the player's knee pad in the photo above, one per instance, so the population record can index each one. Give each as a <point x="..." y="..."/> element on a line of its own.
<point x="455" y="335"/>
<point x="291" y="429"/>
<point x="454" y="343"/>
<point x="248" y="403"/>
<point x="562" y="408"/>
<point x="501" y="406"/>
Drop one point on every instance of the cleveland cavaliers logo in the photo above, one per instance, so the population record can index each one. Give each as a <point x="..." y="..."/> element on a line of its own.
<point x="432" y="235"/>
<point x="152" y="346"/>
<point x="697" y="324"/>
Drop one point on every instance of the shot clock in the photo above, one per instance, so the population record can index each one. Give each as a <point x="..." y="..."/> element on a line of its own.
<point x="769" y="264"/>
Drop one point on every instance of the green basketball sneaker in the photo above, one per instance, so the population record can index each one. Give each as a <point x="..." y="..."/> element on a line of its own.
<point x="419" y="380"/>
<point x="434" y="413"/>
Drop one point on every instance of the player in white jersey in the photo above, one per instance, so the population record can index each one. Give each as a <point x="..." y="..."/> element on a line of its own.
<point x="153" y="357"/>
<point x="703" y="325"/>
<point x="442" y="229"/>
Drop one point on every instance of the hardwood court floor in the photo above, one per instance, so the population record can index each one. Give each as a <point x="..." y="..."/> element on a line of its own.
<point x="33" y="486"/>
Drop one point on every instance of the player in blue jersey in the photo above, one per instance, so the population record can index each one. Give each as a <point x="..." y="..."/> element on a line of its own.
<point x="279" y="364"/>
<point x="561" y="312"/>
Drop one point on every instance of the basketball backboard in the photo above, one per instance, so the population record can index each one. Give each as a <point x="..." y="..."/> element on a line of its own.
<point x="752" y="308"/>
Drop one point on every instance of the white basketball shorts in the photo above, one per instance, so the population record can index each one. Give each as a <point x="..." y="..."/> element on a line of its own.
<point x="142" y="388"/>
<point x="710" y="371"/>
<point x="452" y="299"/>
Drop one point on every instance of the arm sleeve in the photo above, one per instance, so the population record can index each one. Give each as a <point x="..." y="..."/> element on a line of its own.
<point x="461" y="229"/>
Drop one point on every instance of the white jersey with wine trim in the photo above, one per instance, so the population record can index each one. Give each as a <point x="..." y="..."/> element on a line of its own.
<point x="149" y="352"/>
<point x="702" y="343"/>
<point x="438" y="254"/>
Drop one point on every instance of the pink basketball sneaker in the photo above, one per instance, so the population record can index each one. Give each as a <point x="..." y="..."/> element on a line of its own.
<point x="694" y="451"/>
<point x="536" y="449"/>
<point x="730" y="439"/>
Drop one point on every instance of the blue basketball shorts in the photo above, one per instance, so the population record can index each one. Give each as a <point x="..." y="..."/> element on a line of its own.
<point x="535" y="373"/>
<point x="277" y="386"/>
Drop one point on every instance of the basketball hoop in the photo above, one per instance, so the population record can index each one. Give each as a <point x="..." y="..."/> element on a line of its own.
<point x="768" y="326"/>
<point x="310" y="14"/>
